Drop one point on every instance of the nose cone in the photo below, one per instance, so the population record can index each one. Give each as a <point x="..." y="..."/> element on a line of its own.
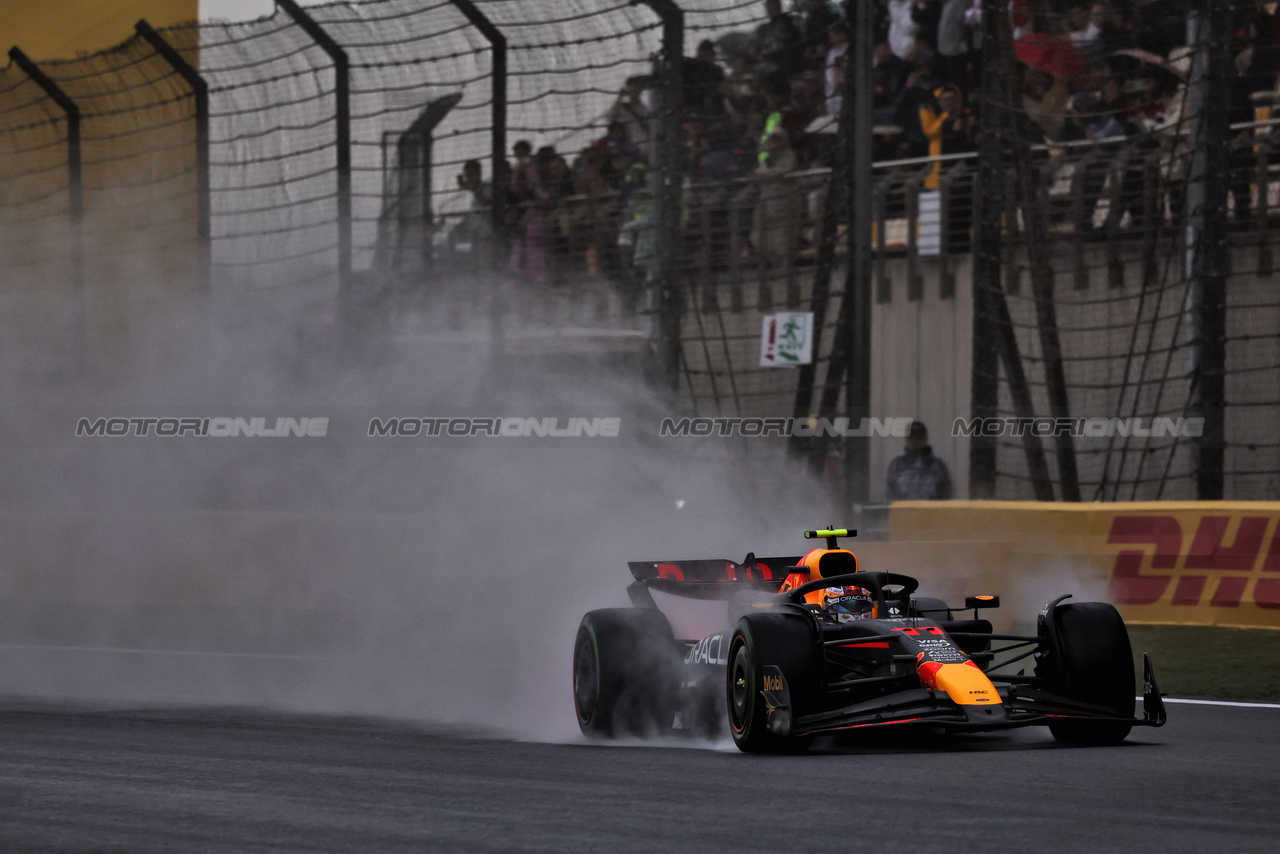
<point x="965" y="684"/>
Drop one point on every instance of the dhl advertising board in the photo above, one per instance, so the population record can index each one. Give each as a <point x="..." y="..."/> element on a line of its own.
<point x="1192" y="563"/>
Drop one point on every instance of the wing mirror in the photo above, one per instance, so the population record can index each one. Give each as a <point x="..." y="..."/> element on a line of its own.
<point x="976" y="602"/>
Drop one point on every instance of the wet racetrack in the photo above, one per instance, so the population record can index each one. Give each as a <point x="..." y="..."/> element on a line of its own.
<point x="74" y="779"/>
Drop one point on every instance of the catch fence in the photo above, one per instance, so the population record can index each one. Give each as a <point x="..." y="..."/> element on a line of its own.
<point x="324" y="158"/>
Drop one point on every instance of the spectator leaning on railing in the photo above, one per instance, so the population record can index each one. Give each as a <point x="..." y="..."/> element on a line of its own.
<point x="780" y="205"/>
<point x="474" y="235"/>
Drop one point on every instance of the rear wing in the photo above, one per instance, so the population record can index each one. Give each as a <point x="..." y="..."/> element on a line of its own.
<point x="773" y="569"/>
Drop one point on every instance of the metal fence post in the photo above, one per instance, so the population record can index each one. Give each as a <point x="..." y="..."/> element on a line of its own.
<point x="342" y="97"/>
<point x="851" y="349"/>
<point x="498" y="85"/>
<point x="994" y="340"/>
<point x="667" y="191"/>
<point x="1207" y="258"/>
<point x="75" y="191"/>
<point x="200" y="92"/>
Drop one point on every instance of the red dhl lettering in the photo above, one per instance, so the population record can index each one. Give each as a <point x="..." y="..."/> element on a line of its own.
<point x="1208" y="555"/>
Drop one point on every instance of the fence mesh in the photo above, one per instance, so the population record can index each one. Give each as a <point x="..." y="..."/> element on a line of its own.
<point x="1099" y="245"/>
<point x="1096" y="309"/>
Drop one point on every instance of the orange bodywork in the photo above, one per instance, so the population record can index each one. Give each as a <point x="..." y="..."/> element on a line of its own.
<point x="837" y="562"/>
<point x="965" y="684"/>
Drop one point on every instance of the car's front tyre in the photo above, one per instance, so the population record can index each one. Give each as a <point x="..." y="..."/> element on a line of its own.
<point x="783" y="643"/>
<point x="1092" y="661"/>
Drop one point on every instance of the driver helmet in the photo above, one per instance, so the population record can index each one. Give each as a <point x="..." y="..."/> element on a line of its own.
<point x="847" y="604"/>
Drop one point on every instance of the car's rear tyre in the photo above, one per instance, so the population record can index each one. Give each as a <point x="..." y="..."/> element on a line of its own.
<point x="1092" y="662"/>
<point x="625" y="673"/>
<point x="784" y="641"/>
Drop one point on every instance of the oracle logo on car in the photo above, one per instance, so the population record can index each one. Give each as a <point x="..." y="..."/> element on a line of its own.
<point x="1240" y="551"/>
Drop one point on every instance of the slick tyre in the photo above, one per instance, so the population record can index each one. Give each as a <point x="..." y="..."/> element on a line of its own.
<point x="783" y="641"/>
<point x="1093" y="664"/>
<point x="625" y="673"/>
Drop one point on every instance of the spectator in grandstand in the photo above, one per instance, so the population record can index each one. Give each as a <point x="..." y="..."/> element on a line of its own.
<point x="835" y="61"/>
<point x="1100" y="117"/>
<point x="712" y="154"/>
<point x="614" y="139"/>
<point x="916" y="111"/>
<point x="880" y="21"/>
<point x="1076" y="22"/>
<point x="713" y="164"/>
<point x="1044" y="101"/>
<point x="1105" y="119"/>
<point x="959" y="123"/>
<point x="1256" y="65"/>
<point x="1103" y="35"/>
<point x="808" y="97"/>
<point x="634" y="238"/>
<point x="704" y="83"/>
<point x="926" y="15"/>
<point x="743" y="90"/>
<point x="776" y="225"/>
<point x="588" y="220"/>
<point x="960" y="42"/>
<point x="473" y="235"/>
<point x="632" y="113"/>
<point x="888" y="72"/>
<point x="902" y="28"/>
<point x="561" y="240"/>
<point x="924" y="54"/>
<point x="957" y="136"/>
<point x="816" y="21"/>
<point x="779" y="43"/>
<point x="779" y="113"/>
<point x="529" y="243"/>
<point x="518" y="192"/>
<point x="916" y="474"/>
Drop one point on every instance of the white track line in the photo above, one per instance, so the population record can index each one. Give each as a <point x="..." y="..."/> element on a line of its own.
<point x="1219" y="703"/>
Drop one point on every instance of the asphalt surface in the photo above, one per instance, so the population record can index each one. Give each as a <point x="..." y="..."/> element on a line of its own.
<point x="91" y="780"/>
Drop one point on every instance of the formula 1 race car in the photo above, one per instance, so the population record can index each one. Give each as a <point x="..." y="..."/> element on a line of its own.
<point x="814" y="645"/>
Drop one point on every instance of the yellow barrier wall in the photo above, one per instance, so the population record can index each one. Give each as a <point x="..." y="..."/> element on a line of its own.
<point x="58" y="29"/>
<point x="1172" y="562"/>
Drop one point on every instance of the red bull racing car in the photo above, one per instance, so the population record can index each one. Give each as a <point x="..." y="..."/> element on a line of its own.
<point x="814" y="645"/>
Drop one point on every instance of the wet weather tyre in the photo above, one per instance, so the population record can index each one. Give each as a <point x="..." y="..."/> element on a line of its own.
<point x="625" y="673"/>
<point x="1094" y="664"/>
<point x="783" y="641"/>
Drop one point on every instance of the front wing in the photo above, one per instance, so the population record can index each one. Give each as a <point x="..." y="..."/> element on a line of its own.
<point x="1021" y="706"/>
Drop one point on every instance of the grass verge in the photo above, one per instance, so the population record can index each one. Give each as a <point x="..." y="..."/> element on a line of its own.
<point x="1211" y="662"/>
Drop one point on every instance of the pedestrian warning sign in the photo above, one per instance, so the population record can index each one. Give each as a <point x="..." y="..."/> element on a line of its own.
<point x="786" y="339"/>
